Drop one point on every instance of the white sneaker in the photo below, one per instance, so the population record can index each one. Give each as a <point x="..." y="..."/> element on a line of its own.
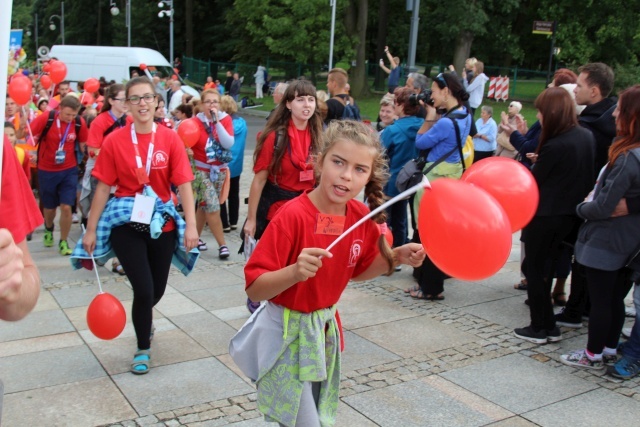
<point x="75" y="218"/>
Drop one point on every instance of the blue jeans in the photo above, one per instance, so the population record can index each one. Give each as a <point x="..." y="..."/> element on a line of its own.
<point x="632" y="346"/>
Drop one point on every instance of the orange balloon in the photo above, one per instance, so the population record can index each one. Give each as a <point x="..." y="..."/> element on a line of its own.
<point x="189" y="131"/>
<point x="91" y="85"/>
<point x="463" y="229"/>
<point x="57" y="71"/>
<point x="106" y="317"/>
<point x="143" y="67"/>
<point x="45" y="81"/>
<point x="174" y="77"/>
<point x="511" y="184"/>
<point x="20" y="89"/>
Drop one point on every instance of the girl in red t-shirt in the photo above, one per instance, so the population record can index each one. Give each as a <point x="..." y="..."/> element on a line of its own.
<point x="301" y="289"/>
<point x="131" y="158"/>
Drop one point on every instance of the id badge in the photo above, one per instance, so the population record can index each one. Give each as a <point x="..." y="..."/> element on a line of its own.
<point x="60" y="156"/>
<point x="306" y="175"/>
<point x="332" y="225"/>
<point x="210" y="152"/>
<point x="142" y="209"/>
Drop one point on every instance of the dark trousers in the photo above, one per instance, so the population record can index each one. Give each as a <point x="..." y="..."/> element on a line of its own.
<point x="397" y="221"/>
<point x="430" y="278"/>
<point x="146" y="262"/>
<point x="233" y="203"/>
<point x="543" y="238"/>
<point x="607" y="290"/>
<point x="479" y="155"/>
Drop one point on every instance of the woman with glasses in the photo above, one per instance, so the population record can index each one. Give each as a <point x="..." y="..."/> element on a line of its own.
<point x="443" y="137"/>
<point x="160" y="115"/>
<point x="212" y="156"/>
<point x="142" y="160"/>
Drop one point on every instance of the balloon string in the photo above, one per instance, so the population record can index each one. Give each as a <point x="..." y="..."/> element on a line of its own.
<point x="95" y="267"/>
<point x="424" y="184"/>
<point x="33" y="141"/>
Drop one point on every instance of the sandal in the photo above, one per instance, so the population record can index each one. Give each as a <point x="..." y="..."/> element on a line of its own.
<point x="559" y="299"/>
<point x="141" y="362"/>
<point x="117" y="268"/>
<point x="420" y="295"/>
<point x="414" y="288"/>
<point x="521" y="286"/>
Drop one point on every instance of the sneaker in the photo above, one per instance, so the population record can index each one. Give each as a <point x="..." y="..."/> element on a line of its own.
<point x="554" y="335"/>
<point x="64" y="248"/>
<point x="226" y="229"/>
<point x="202" y="246"/>
<point x="75" y="218"/>
<point x="223" y="252"/>
<point x="398" y="268"/>
<point x="234" y="227"/>
<point x="564" y="320"/>
<point x="609" y="359"/>
<point x="579" y="359"/>
<point x="626" y="332"/>
<point x="48" y="238"/>
<point x="529" y="334"/>
<point x="625" y="369"/>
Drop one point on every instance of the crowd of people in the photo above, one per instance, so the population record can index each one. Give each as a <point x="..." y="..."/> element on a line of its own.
<point x="145" y="195"/>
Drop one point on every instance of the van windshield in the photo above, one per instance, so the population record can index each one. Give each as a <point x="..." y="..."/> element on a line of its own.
<point x="154" y="70"/>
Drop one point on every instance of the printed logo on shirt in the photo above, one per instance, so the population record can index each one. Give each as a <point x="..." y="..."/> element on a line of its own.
<point x="354" y="252"/>
<point x="71" y="137"/>
<point x="160" y="160"/>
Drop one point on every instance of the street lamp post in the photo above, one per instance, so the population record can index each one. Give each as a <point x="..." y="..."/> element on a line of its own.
<point x="60" y="17"/>
<point x="115" y="11"/>
<point x="168" y="13"/>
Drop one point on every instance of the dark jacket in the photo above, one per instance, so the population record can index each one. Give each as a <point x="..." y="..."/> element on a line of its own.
<point x="564" y="172"/>
<point x="608" y="243"/>
<point x="599" y="120"/>
<point x="235" y="87"/>
<point x="227" y="84"/>
<point x="526" y="143"/>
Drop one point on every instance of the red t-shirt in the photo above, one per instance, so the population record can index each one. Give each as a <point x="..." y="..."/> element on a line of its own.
<point x="198" y="150"/>
<point x="295" y="160"/>
<point x="116" y="164"/>
<point x="293" y="229"/>
<point x="98" y="127"/>
<point x="19" y="212"/>
<point x="48" y="147"/>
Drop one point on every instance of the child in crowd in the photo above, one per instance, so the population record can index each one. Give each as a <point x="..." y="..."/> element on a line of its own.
<point x="23" y="155"/>
<point x="302" y="282"/>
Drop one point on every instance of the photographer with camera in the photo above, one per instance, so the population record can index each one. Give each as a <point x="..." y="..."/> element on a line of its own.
<point x="443" y="138"/>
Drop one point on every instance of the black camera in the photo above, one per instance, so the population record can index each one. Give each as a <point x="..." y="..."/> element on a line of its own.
<point x="424" y="96"/>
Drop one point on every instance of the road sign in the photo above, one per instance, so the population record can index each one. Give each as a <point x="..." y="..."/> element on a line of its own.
<point x="543" y="27"/>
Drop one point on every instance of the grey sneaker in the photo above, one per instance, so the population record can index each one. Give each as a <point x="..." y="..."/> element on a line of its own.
<point x="579" y="359"/>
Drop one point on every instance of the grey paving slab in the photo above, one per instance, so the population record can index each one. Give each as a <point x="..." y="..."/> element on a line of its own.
<point x="87" y="403"/>
<point x="176" y="305"/>
<point x="32" y="345"/>
<point x="432" y="402"/>
<point x="348" y="416"/>
<point x="358" y="309"/>
<point x="416" y="335"/>
<point x="204" y="280"/>
<point x="511" y="312"/>
<point x="161" y="324"/>
<point x="518" y="383"/>
<point x="179" y="385"/>
<point x="513" y="422"/>
<point x="232" y="313"/>
<point x="47" y="368"/>
<point x="254" y="422"/>
<point x="361" y="353"/>
<point x="36" y="324"/>
<point x="461" y="294"/>
<point x="598" y="404"/>
<point x="219" y="297"/>
<point x="206" y="329"/>
<point x="46" y="302"/>
<point x="79" y="296"/>
<point x="167" y="347"/>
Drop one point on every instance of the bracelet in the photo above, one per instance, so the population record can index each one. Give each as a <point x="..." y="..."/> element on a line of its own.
<point x="430" y="121"/>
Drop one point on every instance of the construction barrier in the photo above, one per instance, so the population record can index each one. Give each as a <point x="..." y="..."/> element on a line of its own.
<point x="492" y="87"/>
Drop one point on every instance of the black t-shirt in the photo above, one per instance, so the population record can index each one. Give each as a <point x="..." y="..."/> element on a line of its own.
<point x="335" y="107"/>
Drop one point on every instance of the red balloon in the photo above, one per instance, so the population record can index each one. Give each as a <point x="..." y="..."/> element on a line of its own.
<point x="174" y="77"/>
<point x="91" y="85"/>
<point x="189" y="131"/>
<point x="511" y="184"/>
<point x="20" y="89"/>
<point x="463" y="229"/>
<point x="106" y="317"/>
<point x="143" y="67"/>
<point x="57" y="71"/>
<point x="46" y="67"/>
<point x="45" y="81"/>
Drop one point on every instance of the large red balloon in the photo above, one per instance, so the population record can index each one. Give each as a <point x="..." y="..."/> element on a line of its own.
<point x="464" y="230"/>
<point x="106" y="317"/>
<point x="189" y="131"/>
<point x="45" y="81"/>
<point x="511" y="184"/>
<point x="57" y="71"/>
<point x="91" y="85"/>
<point x="20" y="89"/>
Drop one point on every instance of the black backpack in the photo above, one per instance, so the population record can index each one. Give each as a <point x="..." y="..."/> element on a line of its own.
<point x="351" y="110"/>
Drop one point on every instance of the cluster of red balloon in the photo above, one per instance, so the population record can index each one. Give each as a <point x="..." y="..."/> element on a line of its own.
<point x="57" y="70"/>
<point x="189" y="131"/>
<point x="465" y="225"/>
<point x="106" y="317"/>
<point x="20" y="88"/>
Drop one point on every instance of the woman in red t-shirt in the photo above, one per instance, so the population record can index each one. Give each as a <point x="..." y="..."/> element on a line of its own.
<point x="142" y="154"/>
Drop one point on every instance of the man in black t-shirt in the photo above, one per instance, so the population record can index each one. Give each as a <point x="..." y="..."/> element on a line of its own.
<point x="336" y="84"/>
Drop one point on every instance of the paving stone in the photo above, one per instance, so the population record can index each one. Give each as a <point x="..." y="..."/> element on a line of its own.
<point x="46" y="302"/>
<point x="82" y="296"/>
<point x="32" y="345"/>
<point x="37" y="324"/>
<point x="358" y="310"/>
<point x="205" y="280"/>
<point x="219" y="297"/>
<point x="206" y="329"/>
<point x="361" y="353"/>
<point x="148" y="420"/>
<point x="176" y="305"/>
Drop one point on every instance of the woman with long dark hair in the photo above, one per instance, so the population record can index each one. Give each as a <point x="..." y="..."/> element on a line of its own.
<point x="563" y="169"/>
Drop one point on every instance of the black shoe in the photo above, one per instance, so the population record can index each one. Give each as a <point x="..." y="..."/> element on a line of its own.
<point x="529" y="334"/>
<point x="554" y="335"/>
<point x="563" y="320"/>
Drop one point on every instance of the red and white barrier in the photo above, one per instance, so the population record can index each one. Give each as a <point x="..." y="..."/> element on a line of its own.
<point x="492" y="87"/>
<point x="504" y="93"/>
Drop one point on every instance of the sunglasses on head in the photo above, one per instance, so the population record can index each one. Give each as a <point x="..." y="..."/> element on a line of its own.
<point x="440" y="78"/>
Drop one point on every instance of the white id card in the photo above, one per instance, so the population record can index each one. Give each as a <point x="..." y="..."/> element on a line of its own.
<point x="142" y="209"/>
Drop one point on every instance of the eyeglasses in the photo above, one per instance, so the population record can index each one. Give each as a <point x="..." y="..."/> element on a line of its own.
<point x="120" y="99"/>
<point x="135" y="100"/>
<point x="211" y="102"/>
<point x="440" y="78"/>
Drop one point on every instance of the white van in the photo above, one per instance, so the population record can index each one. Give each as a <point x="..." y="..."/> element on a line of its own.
<point x="112" y="63"/>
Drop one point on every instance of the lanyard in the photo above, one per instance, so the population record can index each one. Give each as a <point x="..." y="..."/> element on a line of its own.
<point x="63" y="138"/>
<point x="134" y="138"/>
<point x="115" y="119"/>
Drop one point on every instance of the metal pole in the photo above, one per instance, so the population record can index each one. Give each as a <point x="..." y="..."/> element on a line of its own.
<point x="413" y="37"/>
<point x="5" y="39"/>
<point x="128" y="22"/>
<point x="37" y="47"/>
<point x="553" y="42"/>
<point x="332" y="3"/>
<point x="171" y="57"/>
<point x="62" y="21"/>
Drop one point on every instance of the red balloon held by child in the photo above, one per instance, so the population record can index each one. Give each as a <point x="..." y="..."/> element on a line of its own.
<point x="106" y="317"/>
<point x="91" y="85"/>
<point x="20" y="89"/>
<point x="189" y="131"/>
<point x="45" y="81"/>
<point x="57" y="71"/>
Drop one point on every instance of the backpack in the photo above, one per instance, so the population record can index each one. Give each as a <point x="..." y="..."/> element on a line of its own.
<point x="351" y="110"/>
<point x="45" y="131"/>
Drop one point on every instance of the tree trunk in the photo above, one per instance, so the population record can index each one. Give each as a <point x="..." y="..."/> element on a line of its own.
<point x="189" y="27"/>
<point x="383" y="24"/>
<point x="356" y="25"/>
<point x="99" y="26"/>
<point x="462" y="50"/>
